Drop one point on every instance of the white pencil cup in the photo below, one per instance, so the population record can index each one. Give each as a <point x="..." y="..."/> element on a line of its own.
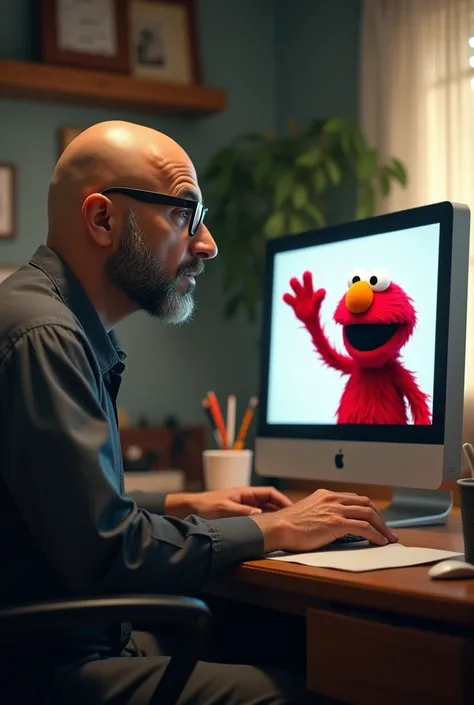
<point x="225" y="469"/>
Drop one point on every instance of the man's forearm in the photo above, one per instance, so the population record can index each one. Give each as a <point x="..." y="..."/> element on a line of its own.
<point x="175" y="504"/>
<point x="178" y="504"/>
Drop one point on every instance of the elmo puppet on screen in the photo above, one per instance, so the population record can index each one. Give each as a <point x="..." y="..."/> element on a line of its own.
<point x="377" y="318"/>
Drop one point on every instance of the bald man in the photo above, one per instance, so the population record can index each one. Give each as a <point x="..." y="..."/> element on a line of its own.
<point x="126" y="233"/>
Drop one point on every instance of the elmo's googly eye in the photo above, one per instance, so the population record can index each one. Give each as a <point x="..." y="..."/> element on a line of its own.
<point x="379" y="280"/>
<point x="358" y="275"/>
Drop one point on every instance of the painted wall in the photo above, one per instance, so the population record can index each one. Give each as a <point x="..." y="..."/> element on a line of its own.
<point x="316" y="57"/>
<point x="317" y="62"/>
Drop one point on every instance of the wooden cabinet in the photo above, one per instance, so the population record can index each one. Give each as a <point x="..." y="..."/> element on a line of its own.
<point x="405" y="663"/>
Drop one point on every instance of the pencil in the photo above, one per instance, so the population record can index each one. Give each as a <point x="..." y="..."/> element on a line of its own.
<point x="217" y="416"/>
<point x="248" y="416"/>
<point x="210" y="418"/>
<point x="231" y="404"/>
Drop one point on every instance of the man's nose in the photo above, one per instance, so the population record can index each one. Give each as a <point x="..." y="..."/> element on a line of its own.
<point x="203" y="244"/>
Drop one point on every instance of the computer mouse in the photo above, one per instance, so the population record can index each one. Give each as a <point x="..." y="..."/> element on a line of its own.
<point x="451" y="569"/>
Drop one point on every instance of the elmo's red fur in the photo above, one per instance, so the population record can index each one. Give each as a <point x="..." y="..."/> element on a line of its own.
<point x="379" y="387"/>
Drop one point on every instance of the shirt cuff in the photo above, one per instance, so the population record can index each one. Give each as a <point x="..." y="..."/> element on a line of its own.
<point x="234" y="539"/>
<point x="152" y="502"/>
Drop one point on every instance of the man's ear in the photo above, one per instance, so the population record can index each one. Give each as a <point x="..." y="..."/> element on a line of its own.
<point x="100" y="218"/>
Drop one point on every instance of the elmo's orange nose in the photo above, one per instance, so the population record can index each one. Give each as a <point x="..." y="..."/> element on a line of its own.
<point x="359" y="297"/>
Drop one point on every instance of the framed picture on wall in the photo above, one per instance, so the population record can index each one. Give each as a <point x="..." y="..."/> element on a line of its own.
<point x="163" y="42"/>
<point x="66" y="136"/>
<point x="7" y="201"/>
<point x="90" y="34"/>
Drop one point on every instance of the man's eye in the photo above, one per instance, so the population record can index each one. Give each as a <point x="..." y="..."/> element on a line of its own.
<point x="183" y="216"/>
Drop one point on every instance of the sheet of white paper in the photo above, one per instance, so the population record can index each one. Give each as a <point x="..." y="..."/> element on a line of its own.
<point x="87" y="26"/>
<point x="363" y="557"/>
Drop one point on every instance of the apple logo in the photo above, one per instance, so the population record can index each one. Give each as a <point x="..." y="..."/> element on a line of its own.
<point x="339" y="460"/>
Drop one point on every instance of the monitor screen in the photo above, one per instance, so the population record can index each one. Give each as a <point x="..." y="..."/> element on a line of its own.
<point x="356" y="333"/>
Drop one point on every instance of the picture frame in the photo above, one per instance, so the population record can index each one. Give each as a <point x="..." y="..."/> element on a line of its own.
<point x="7" y="201"/>
<point x="163" y="41"/>
<point x="89" y="34"/>
<point x="66" y="136"/>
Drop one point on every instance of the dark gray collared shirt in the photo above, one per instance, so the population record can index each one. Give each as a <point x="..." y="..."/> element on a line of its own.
<point x="66" y="527"/>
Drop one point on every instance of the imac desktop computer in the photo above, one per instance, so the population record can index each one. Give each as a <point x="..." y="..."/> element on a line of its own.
<point x="363" y="356"/>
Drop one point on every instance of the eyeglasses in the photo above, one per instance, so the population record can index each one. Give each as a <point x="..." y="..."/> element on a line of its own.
<point x="196" y="207"/>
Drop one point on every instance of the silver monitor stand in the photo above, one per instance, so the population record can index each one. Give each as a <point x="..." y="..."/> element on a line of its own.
<point x="418" y="508"/>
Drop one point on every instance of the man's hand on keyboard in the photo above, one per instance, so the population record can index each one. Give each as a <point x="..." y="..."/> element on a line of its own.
<point x="319" y="519"/>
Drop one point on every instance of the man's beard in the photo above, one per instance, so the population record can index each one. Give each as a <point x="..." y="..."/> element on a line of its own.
<point x="141" y="275"/>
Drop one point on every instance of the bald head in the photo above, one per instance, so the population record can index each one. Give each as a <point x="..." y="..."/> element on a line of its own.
<point x="130" y="250"/>
<point x="111" y="154"/>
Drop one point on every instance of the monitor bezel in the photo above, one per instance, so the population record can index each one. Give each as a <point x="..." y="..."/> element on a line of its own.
<point x="439" y="213"/>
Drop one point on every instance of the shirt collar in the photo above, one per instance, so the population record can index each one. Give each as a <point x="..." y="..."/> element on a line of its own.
<point x="105" y="345"/>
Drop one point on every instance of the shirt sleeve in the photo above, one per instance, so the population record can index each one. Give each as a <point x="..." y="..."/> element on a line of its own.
<point x="53" y="429"/>
<point x="151" y="501"/>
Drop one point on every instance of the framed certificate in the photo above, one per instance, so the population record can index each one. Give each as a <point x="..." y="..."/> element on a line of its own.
<point x="86" y="33"/>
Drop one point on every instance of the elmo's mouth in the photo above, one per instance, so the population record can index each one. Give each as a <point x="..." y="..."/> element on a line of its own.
<point x="365" y="337"/>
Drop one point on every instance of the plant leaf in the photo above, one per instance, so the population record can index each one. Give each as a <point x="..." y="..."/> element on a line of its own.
<point x="399" y="172"/>
<point x="283" y="188"/>
<point x="299" y="196"/>
<point x="320" y="180"/>
<point x="334" y="125"/>
<point x="367" y="164"/>
<point x="263" y="186"/>
<point x="333" y="170"/>
<point x="275" y="225"/>
<point x="310" y="158"/>
<point x="297" y="224"/>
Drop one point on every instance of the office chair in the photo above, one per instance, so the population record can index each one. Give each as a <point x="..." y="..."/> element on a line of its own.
<point x="190" y="617"/>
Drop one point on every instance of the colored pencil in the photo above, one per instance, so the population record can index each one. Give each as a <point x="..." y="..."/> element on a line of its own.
<point x="210" y="418"/>
<point x="248" y="416"/>
<point x="217" y="416"/>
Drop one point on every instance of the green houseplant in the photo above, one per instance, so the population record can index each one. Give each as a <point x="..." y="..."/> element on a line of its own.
<point x="264" y="186"/>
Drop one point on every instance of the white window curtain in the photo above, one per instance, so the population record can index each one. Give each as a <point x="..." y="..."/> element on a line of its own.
<point x="417" y="104"/>
<point x="417" y="95"/>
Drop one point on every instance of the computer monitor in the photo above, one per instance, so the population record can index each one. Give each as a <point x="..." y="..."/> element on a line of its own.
<point x="362" y="357"/>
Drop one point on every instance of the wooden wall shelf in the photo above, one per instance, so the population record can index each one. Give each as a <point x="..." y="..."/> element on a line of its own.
<point x="39" y="81"/>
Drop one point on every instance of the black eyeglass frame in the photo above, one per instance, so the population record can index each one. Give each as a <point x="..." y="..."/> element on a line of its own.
<point x="163" y="199"/>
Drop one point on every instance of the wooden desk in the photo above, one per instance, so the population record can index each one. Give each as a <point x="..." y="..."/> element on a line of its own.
<point x="391" y="637"/>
